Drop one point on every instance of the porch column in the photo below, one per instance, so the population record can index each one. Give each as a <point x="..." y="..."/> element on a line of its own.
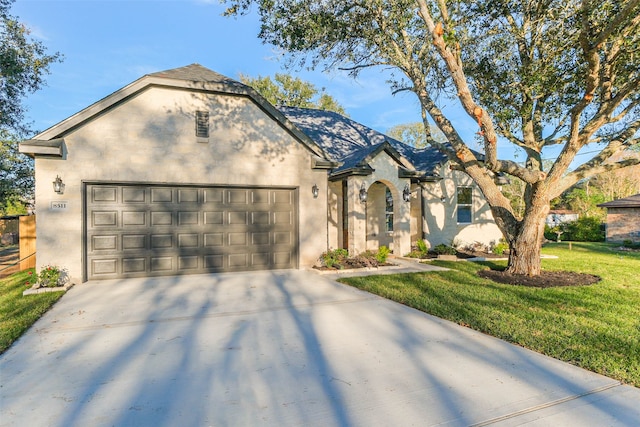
<point x="357" y="212"/>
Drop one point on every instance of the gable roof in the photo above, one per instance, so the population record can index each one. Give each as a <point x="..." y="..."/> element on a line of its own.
<point x="354" y="144"/>
<point x="627" y="202"/>
<point x="193" y="77"/>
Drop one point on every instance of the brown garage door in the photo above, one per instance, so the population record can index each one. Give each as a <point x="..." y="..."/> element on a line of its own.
<point x="152" y="230"/>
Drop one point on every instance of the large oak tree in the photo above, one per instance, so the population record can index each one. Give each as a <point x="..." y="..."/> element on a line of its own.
<point x="536" y="74"/>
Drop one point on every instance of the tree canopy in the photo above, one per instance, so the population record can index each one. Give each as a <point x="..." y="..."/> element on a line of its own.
<point x="23" y="65"/>
<point x="547" y="74"/>
<point x="290" y="91"/>
<point x="414" y="134"/>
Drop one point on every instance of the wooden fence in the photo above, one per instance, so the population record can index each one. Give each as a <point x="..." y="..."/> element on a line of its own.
<point x="27" y="242"/>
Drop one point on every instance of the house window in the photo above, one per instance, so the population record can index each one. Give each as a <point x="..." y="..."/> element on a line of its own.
<point x="465" y="196"/>
<point x="202" y="124"/>
<point x="388" y="210"/>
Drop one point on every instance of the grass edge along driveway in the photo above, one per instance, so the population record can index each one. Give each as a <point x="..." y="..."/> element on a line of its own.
<point x="17" y="312"/>
<point x="596" y="327"/>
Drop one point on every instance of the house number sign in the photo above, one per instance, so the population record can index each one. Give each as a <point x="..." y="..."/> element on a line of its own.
<point x="59" y="205"/>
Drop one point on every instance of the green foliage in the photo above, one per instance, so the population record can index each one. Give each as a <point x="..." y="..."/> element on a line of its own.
<point x="290" y="91"/>
<point x="423" y="246"/>
<point x="414" y="134"/>
<point x="334" y="258"/>
<point x="17" y="312"/>
<point x="443" y="249"/>
<point x="501" y="247"/>
<point x="594" y="327"/>
<point x="584" y="229"/>
<point x="16" y="176"/>
<point x="382" y="254"/>
<point x="562" y="74"/>
<point x="23" y="65"/>
<point x="51" y="276"/>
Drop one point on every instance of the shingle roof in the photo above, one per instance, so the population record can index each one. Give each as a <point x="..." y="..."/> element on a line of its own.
<point x="197" y="73"/>
<point x="627" y="202"/>
<point x="350" y="142"/>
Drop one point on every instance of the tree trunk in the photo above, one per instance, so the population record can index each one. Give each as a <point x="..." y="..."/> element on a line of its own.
<point x="525" y="248"/>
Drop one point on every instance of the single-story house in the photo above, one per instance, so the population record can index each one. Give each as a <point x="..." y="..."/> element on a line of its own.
<point x="188" y="171"/>
<point x="556" y="217"/>
<point x="623" y="219"/>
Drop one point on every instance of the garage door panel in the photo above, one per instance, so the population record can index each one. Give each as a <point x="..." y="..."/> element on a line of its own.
<point x="134" y="195"/>
<point x="161" y="195"/>
<point x="159" y="218"/>
<point x="104" y="218"/>
<point x="134" y="241"/>
<point x="104" y="194"/>
<point x="161" y="263"/>
<point x="189" y="195"/>
<point x="214" y="239"/>
<point x="102" y="243"/>
<point x="188" y="240"/>
<point x="134" y="265"/>
<point x="188" y="218"/>
<point x="147" y="230"/>
<point x="134" y="219"/>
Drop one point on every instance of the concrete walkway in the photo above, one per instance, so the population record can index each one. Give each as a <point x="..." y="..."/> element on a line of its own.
<point x="290" y="348"/>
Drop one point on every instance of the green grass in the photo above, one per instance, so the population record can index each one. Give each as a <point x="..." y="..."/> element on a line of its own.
<point x="596" y="327"/>
<point x="17" y="312"/>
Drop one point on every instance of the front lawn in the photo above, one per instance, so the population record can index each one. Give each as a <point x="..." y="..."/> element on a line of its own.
<point x="596" y="327"/>
<point x="17" y="312"/>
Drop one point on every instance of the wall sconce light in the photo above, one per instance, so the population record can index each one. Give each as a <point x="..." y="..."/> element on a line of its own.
<point x="363" y="193"/>
<point x="58" y="185"/>
<point x="406" y="193"/>
<point x="315" y="191"/>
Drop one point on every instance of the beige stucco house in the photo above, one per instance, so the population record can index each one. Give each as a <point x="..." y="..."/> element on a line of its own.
<point x="187" y="171"/>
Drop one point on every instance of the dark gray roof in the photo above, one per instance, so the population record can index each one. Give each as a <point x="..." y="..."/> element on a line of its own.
<point x="198" y="73"/>
<point x="627" y="202"/>
<point x="350" y="142"/>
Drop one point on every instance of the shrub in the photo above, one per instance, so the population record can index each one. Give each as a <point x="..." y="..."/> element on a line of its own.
<point x="334" y="258"/>
<point x="443" y="249"/>
<point x="501" y="247"/>
<point x="51" y="276"/>
<point x="383" y="253"/>
<point x="584" y="229"/>
<point x="423" y="246"/>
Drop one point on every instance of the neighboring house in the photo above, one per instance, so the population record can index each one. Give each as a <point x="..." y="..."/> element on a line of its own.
<point x="556" y="217"/>
<point x="623" y="219"/>
<point x="187" y="171"/>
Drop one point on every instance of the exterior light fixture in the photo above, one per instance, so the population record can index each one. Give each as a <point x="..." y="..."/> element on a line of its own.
<point x="58" y="185"/>
<point x="363" y="193"/>
<point x="315" y="191"/>
<point x="406" y="193"/>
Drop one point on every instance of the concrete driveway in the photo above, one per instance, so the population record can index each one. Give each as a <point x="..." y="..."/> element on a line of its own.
<point x="288" y="348"/>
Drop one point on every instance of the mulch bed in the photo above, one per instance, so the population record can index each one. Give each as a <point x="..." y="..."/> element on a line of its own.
<point x="546" y="279"/>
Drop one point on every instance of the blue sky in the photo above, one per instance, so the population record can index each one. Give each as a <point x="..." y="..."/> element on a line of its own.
<point x="108" y="44"/>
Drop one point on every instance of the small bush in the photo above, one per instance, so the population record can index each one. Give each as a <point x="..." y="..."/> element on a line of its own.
<point x="584" y="229"/>
<point x="334" y="258"/>
<point x="443" y="249"/>
<point x="383" y="253"/>
<point x="423" y="246"/>
<point x="500" y="248"/>
<point x="51" y="276"/>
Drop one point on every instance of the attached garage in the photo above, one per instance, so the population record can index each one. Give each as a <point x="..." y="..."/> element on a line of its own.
<point x="135" y="230"/>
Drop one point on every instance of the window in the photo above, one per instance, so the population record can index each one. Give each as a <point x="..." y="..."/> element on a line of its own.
<point x="388" y="210"/>
<point x="202" y="124"/>
<point x="465" y="196"/>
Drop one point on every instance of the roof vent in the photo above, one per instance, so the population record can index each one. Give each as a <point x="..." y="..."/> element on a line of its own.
<point x="202" y="124"/>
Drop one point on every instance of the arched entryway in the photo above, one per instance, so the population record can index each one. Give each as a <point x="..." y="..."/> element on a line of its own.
<point x="380" y="216"/>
